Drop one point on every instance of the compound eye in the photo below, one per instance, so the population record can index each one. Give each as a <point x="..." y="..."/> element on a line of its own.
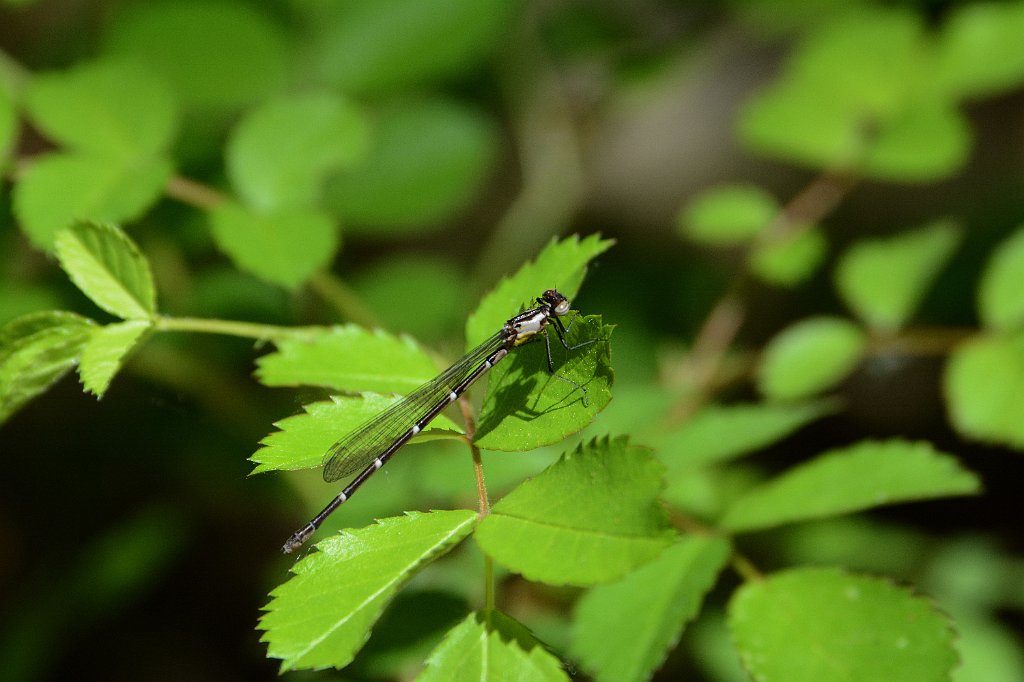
<point x="562" y="308"/>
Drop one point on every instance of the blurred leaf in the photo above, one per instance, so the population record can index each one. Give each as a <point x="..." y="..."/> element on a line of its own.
<point x="105" y="352"/>
<point x="1000" y="294"/>
<point x="623" y="630"/>
<point x="979" y="49"/>
<point x="561" y="265"/>
<point x="322" y="616"/>
<point x="719" y="433"/>
<point x="474" y="651"/>
<point x="927" y="141"/>
<point x="591" y="517"/>
<point x="279" y="153"/>
<point x="791" y="260"/>
<point x="728" y="215"/>
<point x="393" y="288"/>
<point x="58" y="189"/>
<point x="809" y="357"/>
<point x="983" y="383"/>
<point x="348" y="358"/>
<point x="35" y="351"/>
<point x="380" y="46"/>
<point x="19" y="298"/>
<point x="884" y="280"/>
<point x="527" y="407"/>
<point x="302" y="440"/>
<point x="426" y="160"/>
<point x="215" y="54"/>
<point x="8" y="125"/>
<point x="814" y="624"/>
<point x="989" y="650"/>
<point x="865" y="475"/>
<point x="287" y="246"/>
<point x="109" y="268"/>
<point x="110" y="109"/>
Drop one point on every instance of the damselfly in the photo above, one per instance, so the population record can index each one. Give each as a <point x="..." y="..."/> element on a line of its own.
<point x="371" y="445"/>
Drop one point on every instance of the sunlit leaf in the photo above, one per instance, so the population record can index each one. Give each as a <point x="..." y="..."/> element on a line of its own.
<point x="979" y="49"/>
<point x="322" y="616"/>
<point x="791" y="260"/>
<point x="105" y="352"/>
<point x="591" y="517"/>
<point x="1000" y="294"/>
<point x="813" y="624"/>
<point x="728" y="215"/>
<point x="810" y="356"/>
<point x="109" y="268"/>
<point x="983" y="383"/>
<point x="858" y="477"/>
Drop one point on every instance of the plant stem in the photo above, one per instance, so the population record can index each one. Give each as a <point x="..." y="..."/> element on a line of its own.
<point x="483" y="502"/>
<point x="249" y="330"/>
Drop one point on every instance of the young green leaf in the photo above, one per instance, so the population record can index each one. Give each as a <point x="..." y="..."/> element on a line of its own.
<point x="214" y="55"/>
<point x="105" y="352"/>
<point x="286" y="246"/>
<point x="109" y="109"/>
<point x="527" y="407"/>
<point x="385" y="47"/>
<point x="474" y="651"/>
<point x="426" y="160"/>
<point x="979" y="49"/>
<point x="884" y="280"/>
<point x="868" y="474"/>
<point x="813" y="624"/>
<point x="1000" y="294"/>
<point x="809" y="357"/>
<point x="35" y="351"/>
<point x="728" y="215"/>
<point x="279" y="154"/>
<point x="591" y="517"/>
<point x="302" y="439"/>
<point x="983" y="382"/>
<point x="348" y="358"/>
<point x="791" y="260"/>
<point x="58" y="189"/>
<point x="719" y="433"/>
<point x="322" y="616"/>
<point x="109" y="268"/>
<point x="623" y="630"/>
<point x="561" y="265"/>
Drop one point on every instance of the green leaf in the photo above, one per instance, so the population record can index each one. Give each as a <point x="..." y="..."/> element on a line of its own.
<point x="791" y="260"/>
<point x="983" y="383"/>
<point x="858" y="477"/>
<point x="279" y="154"/>
<point x="348" y="358"/>
<point x="979" y="50"/>
<point x="591" y="517"/>
<point x="286" y="247"/>
<point x="1000" y="294"/>
<point x="8" y="125"/>
<point x="809" y="357"/>
<point x="426" y="160"/>
<point x="322" y="616"/>
<point x="527" y="407"/>
<point x="109" y="109"/>
<point x="109" y="268"/>
<point x="728" y="215"/>
<point x="561" y="265"/>
<point x="927" y="141"/>
<point x="35" y="351"/>
<point x="365" y="46"/>
<point x="623" y="630"/>
<point x="58" y="189"/>
<point x="474" y="651"/>
<point x="105" y="352"/>
<point x="719" y="433"/>
<point x="215" y="54"/>
<point x="813" y="624"/>
<point x="302" y="440"/>
<point x="884" y="280"/>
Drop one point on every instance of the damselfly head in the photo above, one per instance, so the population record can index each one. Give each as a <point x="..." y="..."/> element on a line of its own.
<point x="559" y="304"/>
